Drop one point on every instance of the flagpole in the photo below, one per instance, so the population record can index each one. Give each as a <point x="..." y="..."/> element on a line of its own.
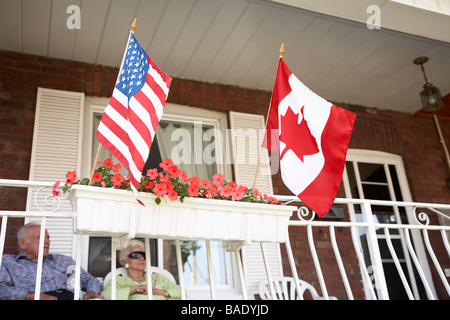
<point x="94" y="165"/>
<point x="267" y="118"/>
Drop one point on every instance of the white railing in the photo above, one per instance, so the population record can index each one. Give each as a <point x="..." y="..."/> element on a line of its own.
<point x="414" y="236"/>
<point x="417" y="245"/>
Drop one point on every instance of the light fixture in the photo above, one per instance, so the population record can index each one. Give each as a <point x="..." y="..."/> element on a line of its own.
<point x="430" y="95"/>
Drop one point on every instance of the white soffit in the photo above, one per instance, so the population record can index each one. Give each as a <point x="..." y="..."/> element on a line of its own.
<point x="425" y="18"/>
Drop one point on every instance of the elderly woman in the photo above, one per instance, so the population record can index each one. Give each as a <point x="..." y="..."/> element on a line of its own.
<point x="134" y="286"/>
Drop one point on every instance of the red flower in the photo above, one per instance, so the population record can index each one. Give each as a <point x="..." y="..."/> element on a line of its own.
<point x="171" y="182"/>
<point x="206" y="184"/>
<point x="213" y="190"/>
<point x="233" y="185"/>
<point x="116" y="167"/>
<point x="55" y="189"/>
<point x="71" y="176"/>
<point x="173" y="195"/>
<point x="97" y="177"/>
<point x="195" y="180"/>
<point x="117" y="180"/>
<point x="147" y="185"/>
<point x="173" y="171"/>
<point x="193" y="190"/>
<point x="108" y="163"/>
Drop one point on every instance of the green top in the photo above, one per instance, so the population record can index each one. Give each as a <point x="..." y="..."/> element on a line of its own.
<point x="123" y="285"/>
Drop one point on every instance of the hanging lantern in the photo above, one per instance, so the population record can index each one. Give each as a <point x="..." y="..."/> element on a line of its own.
<point x="430" y="95"/>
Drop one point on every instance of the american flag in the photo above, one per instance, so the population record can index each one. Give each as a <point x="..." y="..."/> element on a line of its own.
<point x="129" y="122"/>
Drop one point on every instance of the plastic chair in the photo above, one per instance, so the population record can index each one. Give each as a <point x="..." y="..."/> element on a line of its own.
<point x="285" y="289"/>
<point x="123" y="272"/>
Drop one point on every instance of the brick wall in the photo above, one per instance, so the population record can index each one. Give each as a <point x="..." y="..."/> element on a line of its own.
<point x="414" y="138"/>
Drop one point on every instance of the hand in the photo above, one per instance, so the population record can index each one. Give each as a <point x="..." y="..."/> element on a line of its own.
<point x="43" y="296"/>
<point x="160" y="292"/>
<point x="92" y="295"/>
<point x="138" y="289"/>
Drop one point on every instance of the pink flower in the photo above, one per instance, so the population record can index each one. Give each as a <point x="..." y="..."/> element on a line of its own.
<point x="217" y="180"/>
<point x="71" y="176"/>
<point x="160" y="189"/>
<point x="166" y="164"/>
<point x="256" y="192"/>
<point x="184" y="176"/>
<point x="55" y="189"/>
<point x="225" y="192"/>
<point x="152" y="173"/>
<point x="270" y="199"/>
<point x="163" y="177"/>
<point x="239" y="193"/>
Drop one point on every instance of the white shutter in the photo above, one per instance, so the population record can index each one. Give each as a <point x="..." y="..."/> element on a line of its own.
<point x="247" y="133"/>
<point x="56" y="150"/>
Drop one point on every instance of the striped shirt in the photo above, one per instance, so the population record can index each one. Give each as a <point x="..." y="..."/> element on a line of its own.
<point x="18" y="276"/>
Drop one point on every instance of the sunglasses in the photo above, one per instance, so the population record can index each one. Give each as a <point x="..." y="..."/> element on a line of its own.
<point x="137" y="255"/>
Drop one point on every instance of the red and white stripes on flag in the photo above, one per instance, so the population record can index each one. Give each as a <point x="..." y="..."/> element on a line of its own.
<point x="311" y="135"/>
<point x="129" y="122"/>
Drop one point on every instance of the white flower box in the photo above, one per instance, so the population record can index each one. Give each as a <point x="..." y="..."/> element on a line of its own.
<point x="110" y="212"/>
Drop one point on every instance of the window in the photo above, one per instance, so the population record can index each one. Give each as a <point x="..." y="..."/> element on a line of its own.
<point x="381" y="176"/>
<point x="193" y="139"/>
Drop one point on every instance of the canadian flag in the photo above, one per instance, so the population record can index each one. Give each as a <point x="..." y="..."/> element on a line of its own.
<point x="311" y="135"/>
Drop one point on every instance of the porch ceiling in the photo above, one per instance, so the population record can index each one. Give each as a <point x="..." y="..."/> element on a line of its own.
<point x="236" y="42"/>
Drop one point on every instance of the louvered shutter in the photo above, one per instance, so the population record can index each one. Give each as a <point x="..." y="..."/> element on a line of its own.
<point x="56" y="149"/>
<point x="247" y="132"/>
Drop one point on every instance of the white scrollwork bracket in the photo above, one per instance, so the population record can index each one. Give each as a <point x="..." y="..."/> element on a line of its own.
<point x="51" y="203"/>
<point x="304" y="214"/>
<point x="421" y="217"/>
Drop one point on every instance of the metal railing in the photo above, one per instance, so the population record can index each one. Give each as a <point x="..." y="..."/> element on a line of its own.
<point x="414" y="238"/>
<point x="419" y="247"/>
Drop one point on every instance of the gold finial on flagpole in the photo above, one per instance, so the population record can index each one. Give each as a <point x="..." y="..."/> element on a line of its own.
<point x="282" y="50"/>
<point x="133" y="26"/>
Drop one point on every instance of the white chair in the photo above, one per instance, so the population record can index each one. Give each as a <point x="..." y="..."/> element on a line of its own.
<point x="285" y="289"/>
<point x="123" y="272"/>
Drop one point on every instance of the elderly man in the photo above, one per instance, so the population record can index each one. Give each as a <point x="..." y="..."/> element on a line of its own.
<point x="18" y="273"/>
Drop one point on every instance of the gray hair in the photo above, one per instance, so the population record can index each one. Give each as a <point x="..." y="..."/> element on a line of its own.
<point x="23" y="234"/>
<point x="124" y="252"/>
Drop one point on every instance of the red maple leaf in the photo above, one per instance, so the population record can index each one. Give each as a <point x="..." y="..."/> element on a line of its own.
<point x="297" y="136"/>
